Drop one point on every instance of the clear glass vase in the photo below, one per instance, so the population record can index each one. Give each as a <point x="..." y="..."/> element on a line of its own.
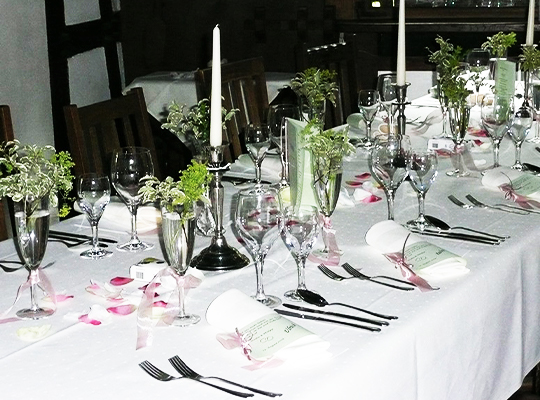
<point x="458" y="116"/>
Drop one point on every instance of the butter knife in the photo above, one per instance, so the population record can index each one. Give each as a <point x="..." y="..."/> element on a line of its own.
<point x="69" y="235"/>
<point x="335" y="314"/>
<point x="332" y="321"/>
<point x="459" y="236"/>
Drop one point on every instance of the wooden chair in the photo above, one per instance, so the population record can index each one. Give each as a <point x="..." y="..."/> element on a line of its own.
<point x="96" y="130"/>
<point x="6" y="208"/>
<point x="243" y="87"/>
<point x="342" y="58"/>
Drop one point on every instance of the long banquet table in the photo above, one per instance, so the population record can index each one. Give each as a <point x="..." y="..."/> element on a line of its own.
<point x="475" y="338"/>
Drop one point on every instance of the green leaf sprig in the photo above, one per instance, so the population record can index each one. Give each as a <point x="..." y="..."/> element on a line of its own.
<point x="529" y="58"/>
<point x="499" y="43"/>
<point x="316" y="86"/>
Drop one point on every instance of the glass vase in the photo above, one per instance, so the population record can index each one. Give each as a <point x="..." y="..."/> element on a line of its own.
<point x="458" y="116"/>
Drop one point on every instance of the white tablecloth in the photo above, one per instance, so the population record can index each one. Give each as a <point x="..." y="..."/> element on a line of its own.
<point x="160" y="88"/>
<point x="474" y="339"/>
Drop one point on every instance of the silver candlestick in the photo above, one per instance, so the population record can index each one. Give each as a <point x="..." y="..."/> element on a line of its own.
<point x="219" y="256"/>
<point x="400" y="103"/>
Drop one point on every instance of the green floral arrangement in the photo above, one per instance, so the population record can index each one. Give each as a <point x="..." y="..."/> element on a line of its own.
<point x="316" y="86"/>
<point x="30" y="172"/>
<point x="186" y="192"/>
<point x="499" y="43"/>
<point x="195" y="122"/>
<point x="529" y="58"/>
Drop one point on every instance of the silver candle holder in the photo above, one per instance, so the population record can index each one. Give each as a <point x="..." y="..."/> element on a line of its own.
<point x="400" y="103"/>
<point x="219" y="256"/>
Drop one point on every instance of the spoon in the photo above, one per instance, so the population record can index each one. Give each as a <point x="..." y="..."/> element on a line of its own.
<point x="316" y="299"/>
<point x="443" y="226"/>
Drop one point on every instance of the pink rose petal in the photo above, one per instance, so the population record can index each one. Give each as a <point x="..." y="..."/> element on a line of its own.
<point x="354" y="183"/>
<point x="63" y="297"/>
<point x="119" y="281"/>
<point x="160" y="303"/>
<point x="125" y="309"/>
<point x="364" y="176"/>
<point x="371" y="199"/>
<point x="84" y="318"/>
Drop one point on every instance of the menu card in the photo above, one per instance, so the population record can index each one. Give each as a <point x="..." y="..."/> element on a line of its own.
<point x="508" y="179"/>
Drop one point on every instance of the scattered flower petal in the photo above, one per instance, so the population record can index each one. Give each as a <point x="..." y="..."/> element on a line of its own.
<point x="160" y="303"/>
<point x="104" y="290"/>
<point x="119" y="281"/>
<point x="125" y="309"/>
<point x="365" y="176"/>
<point x="87" y="320"/>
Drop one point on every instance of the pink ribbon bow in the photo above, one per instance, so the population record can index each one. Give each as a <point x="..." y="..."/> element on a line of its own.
<point x="510" y="194"/>
<point x="398" y="259"/>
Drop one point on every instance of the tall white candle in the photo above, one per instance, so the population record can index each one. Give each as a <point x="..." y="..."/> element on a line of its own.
<point x="400" y="78"/>
<point x="215" y="97"/>
<point x="530" y="25"/>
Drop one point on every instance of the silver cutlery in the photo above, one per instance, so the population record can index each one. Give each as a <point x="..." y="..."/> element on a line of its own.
<point x="440" y="224"/>
<point x="500" y="207"/>
<point x="181" y="367"/>
<point x="160" y="375"/>
<point x="457" y="236"/>
<point x="10" y="269"/>
<point x="357" y="274"/>
<point x="335" y="314"/>
<point x="74" y="236"/>
<point x="459" y="203"/>
<point x="322" y="319"/>
<point x="74" y="243"/>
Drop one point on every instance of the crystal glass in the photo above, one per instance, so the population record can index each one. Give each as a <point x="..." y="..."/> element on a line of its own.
<point x="387" y="163"/>
<point x="519" y="127"/>
<point x="257" y="140"/>
<point x="94" y="193"/>
<point x="496" y="113"/>
<point x="386" y="86"/>
<point x="478" y="60"/>
<point x="422" y="170"/>
<point x="535" y="89"/>
<point x="459" y="116"/>
<point x="129" y="166"/>
<point x="178" y="240"/>
<point x="257" y="222"/>
<point x="368" y="103"/>
<point x="277" y="115"/>
<point x="32" y="227"/>
<point x="299" y="229"/>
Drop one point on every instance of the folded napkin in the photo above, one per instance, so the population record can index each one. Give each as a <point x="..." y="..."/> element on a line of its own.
<point x="425" y="259"/>
<point x="270" y="169"/>
<point x="262" y="333"/>
<point x="521" y="187"/>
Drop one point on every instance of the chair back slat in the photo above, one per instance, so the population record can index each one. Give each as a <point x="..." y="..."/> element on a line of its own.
<point x="7" y="216"/>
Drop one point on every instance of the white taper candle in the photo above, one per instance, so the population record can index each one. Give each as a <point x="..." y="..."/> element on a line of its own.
<point x="215" y="97"/>
<point x="530" y="25"/>
<point x="400" y="78"/>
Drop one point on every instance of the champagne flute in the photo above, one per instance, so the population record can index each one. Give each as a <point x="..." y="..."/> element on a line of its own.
<point x="386" y="86"/>
<point x="495" y="114"/>
<point x="277" y="125"/>
<point x="519" y="127"/>
<point x="94" y="193"/>
<point x="129" y="166"/>
<point x="422" y="169"/>
<point x="299" y="229"/>
<point x="257" y="140"/>
<point x="387" y="163"/>
<point x="257" y="220"/>
<point x="368" y="103"/>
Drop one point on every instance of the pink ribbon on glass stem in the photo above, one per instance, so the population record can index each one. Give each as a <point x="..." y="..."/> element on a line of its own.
<point x="510" y="194"/>
<point x="330" y="243"/>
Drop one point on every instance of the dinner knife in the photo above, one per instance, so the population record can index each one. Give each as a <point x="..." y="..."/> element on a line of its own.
<point x="332" y="321"/>
<point x="531" y="167"/>
<point x="69" y="235"/>
<point x="335" y="314"/>
<point x="458" y="236"/>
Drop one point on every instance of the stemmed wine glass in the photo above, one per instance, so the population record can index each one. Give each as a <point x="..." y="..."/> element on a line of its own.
<point x="387" y="163"/>
<point x="496" y="113"/>
<point x="478" y="60"/>
<point x="368" y="103"/>
<point x="519" y="127"/>
<point x="257" y="140"/>
<point x="277" y="125"/>
<point x="257" y="220"/>
<point x="386" y="86"/>
<point x="535" y="88"/>
<point x="94" y="193"/>
<point x="422" y="169"/>
<point x="444" y="104"/>
<point x="129" y="166"/>
<point x="299" y="229"/>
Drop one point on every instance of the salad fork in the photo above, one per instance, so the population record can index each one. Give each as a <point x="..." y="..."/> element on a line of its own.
<point x="500" y="207"/>
<point x="357" y="274"/>
<point x="183" y="368"/>
<point x="160" y="375"/>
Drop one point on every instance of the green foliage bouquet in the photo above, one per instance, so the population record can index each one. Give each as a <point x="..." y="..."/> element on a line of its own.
<point x="30" y="172"/>
<point x="499" y="43"/>
<point x="315" y="87"/>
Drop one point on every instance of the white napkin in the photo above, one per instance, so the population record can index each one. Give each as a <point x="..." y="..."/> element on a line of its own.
<point x="117" y="217"/>
<point x="389" y="237"/>
<point x="244" y="167"/>
<point x="523" y="183"/>
<point x="235" y="310"/>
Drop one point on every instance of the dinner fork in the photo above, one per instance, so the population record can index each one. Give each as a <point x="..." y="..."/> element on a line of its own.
<point x="500" y="207"/>
<point x="459" y="203"/>
<point x="160" y="375"/>
<point x="357" y="274"/>
<point x="183" y="368"/>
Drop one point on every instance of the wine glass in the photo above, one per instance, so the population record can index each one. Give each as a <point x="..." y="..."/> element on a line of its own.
<point x="299" y="229"/>
<point x="495" y="113"/>
<point x="368" y="103"/>
<point x="519" y="127"/>
<point x="386" y="86"/>
<point x="257" y="140"/>
<point x="444" y="104"/>
<point x="387" y="163"/>
<point x="277" y="125"/>
<point x="535" y="87"/>
<point x="422" y="169"/>
<point x="478" y="60"/>
<point x="129" y="166"/>
<point x="94" y="193"/>
<point x="257" y="220"/>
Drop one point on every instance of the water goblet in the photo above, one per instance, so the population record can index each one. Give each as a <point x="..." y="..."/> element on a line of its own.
<point x="368" y="103"/>
<point x="422" y="169"/>
<point x="495" y="113"/>
<point x="387" y="163"/>
<point x="519" y="127"/>
<point x="257" y="140"/>
<point x="277" y="125"/>
<point x="299" y="229"/>
<point x="257" y="221"/>
<point x="129" y="166"/>
<point x="386" y="86"/>
<point x="94" y="193"/>
<point x="535" y="88"/>
<point x="478" y="60"/>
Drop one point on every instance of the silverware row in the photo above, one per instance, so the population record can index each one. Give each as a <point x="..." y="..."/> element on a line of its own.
<point x="187" y="373"/>
<point x="499" y="206"/>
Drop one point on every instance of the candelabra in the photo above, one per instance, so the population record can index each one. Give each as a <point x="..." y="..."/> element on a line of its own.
<point x="219" y="256"/>
<point x="400" y="103"/>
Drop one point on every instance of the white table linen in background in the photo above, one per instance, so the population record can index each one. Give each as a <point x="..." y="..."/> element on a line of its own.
<point x="474" y="339"/>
